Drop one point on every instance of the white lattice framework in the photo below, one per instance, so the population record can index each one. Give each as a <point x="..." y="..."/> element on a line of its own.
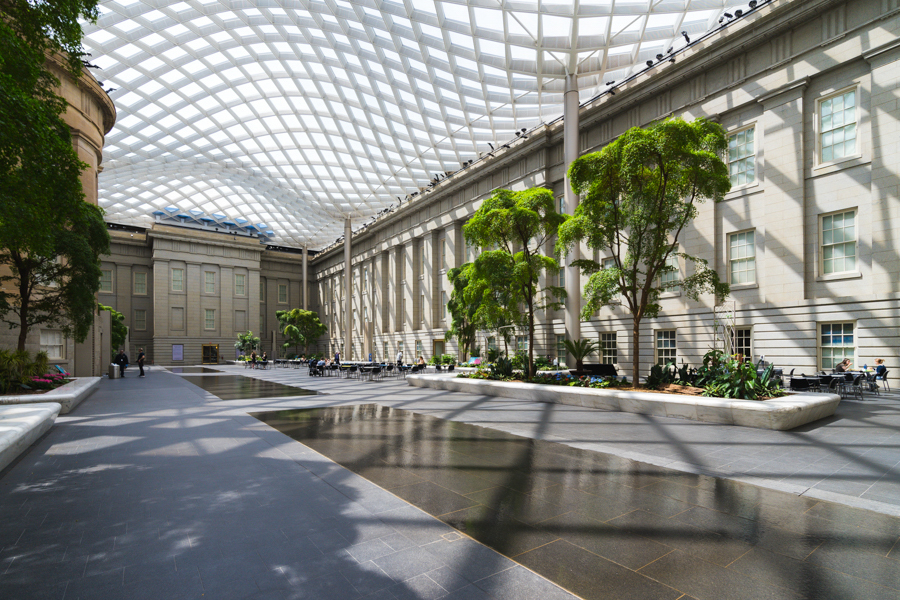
<point x="302" y="113"/>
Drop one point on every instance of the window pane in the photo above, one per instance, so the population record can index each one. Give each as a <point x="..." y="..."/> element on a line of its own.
<point x="106" y="280"/>
<point x="839" y="243"/>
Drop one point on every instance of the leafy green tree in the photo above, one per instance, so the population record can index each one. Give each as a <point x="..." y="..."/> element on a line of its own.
<point x="117" y="324"/>
<point x="518" y="224"/>
<point x="300" y="327"/>
<point x="463" y="306"/>
<point x="247" y="342"/>
<point x="50" y="239"/>
<point x="638" y="194"/>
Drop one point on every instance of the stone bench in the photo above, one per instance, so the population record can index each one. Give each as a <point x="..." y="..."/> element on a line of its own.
<point x="68" y="396"/>
<point x="22" y="425"/>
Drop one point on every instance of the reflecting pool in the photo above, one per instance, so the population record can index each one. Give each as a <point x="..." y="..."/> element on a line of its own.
<point x="606" y="527"/>
<point x="238" y="387"/>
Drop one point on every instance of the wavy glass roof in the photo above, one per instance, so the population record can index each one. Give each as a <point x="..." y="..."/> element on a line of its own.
<point x="301" y="113"/>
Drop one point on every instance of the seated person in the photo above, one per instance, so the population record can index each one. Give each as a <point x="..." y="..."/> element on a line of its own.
<point x="421" y="361"/>
<point x="880" y="369"/>
<point x="843" y="366"/>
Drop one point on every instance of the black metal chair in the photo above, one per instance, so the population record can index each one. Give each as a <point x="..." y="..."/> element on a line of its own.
<point x="799" y="384"/>
<point x="883" y="379"/>
<point x="856" y="386"/>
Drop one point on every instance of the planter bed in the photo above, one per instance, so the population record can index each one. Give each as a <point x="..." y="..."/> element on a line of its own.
<point x="783" y="413"/>
<point x="68" y="396"/>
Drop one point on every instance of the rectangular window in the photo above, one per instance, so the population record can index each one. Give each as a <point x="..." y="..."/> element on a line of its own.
<point x="418" y="348"/>
<point x="837" y="126"/>
<point x="668" y="281"/>
<point x="402" y="311"/>
<point x="422" y="260"/>
<point x="240" y="284"/>
<point x="209" y="318"/>
<point x="422" y="307"/>
<point x="365" y="281"/>
<point x="741" y="344"/>
<point x="240" y="320"/>
<point x="262" y="290"/>
<point x="562" y="204"/>
<point x="471" y="253"/>
<point x="177" y="318"/>
<point x="106" y="283"/>
<point x="561" y="278"/>
<point x="52" y="344"/>
<point x="609" y="263"/>
<point x="140" y="320"/>
<point x="521" y="343"/>
<point x="400" y="349"/>
<point x="366" y="314"/>
<point x="561" y="349"/>
<point x="839" y="243"/>
<point x="385" y="345"/>
<point x="742" y="157"/>
<point x="282" y="293"/>
<point x="609" y="352"/>
<point x="140" y="284"/>
<point x="837" y="343"/>
<point x="177" y="280"/>
<point x="742" y="257"/>
<point x="444" y="253"/>
<point x="492" y="343"/>
<point x="444" y="304"/>
<point x="209" y="282"/>
<point x="665" y="347"/>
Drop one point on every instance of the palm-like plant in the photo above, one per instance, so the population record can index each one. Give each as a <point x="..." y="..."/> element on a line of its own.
<point x="581" y="349"/>
<point x="247" y="342"/>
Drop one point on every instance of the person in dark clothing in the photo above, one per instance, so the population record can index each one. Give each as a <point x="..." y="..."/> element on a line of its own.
<point x="121" y="360"/>
<point x="140" y="361"/>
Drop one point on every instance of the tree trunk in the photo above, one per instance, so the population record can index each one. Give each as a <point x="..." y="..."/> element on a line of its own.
<point x="636" y="351"/>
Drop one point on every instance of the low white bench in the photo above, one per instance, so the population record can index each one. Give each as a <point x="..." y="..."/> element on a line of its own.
<point x="21" y="425"/>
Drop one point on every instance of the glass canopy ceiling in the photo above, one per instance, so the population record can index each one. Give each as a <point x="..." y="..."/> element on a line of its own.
<point x="298" y="114"/>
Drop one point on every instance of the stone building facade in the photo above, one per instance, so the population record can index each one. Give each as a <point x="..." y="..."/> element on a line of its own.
<point x="809" y="236"/>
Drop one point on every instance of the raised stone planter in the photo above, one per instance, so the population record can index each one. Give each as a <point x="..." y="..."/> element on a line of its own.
<point x="780" y="413"/>
<point x="68" y="396"/>
<point x="21" y="426"/>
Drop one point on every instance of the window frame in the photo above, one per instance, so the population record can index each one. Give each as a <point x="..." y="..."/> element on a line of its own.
<point x="734" y="345"/>
<point x="656" y="347"/>
<point x="675" y="290"/>
<point x="283" y="287"/>
<point x="172" y="280"/>
<point x="206" y="316"/>
<point x="819" y="346"/>
<point x="135" y="319"/>
<point x="61" y="345"/>
<point x="604" y="351"/>
<point x="820" y="246"/>
<point x="756" y="138"/>
<point x="729" y="259"/>
<point x="207" y="283"/>
<point x="817" y="126"/>
<point x="112" y="282"/>
<point x="242" y="289"/>
<point x="134" y="283"/>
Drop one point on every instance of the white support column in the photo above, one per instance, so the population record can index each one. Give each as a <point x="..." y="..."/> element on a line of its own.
<point x="348" y="295"/>
<point x="571" y="148"/>
<point x="305" y="284"/>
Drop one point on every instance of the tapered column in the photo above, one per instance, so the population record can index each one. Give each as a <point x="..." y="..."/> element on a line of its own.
<point x="573" y="276"/>
<point x="348" y="295"/>
<point x="305" y="290"/>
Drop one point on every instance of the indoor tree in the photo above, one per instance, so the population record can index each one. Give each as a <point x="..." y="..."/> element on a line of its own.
<point x="463" y="308"/>
<point x="50" y="239"/>
<point x="638" y="194"/>
<point x="119" y="332"/>
<point x="517" y="225"/>
<point x="247" y="342"/>
<point x="300" y="327"/>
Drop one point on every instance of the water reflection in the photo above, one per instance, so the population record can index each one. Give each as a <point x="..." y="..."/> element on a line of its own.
<point x="607" y="527"/>
<point x="192" y="370"/>
<point x="237" y="387"/>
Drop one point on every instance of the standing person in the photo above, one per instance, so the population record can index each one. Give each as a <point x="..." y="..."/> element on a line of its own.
<point x="253" y="359"/>
<point x="399" y="358"/>
<point x="122" y="361"/>
<point x="140" y="361"/>
<point x="337" y="357"/>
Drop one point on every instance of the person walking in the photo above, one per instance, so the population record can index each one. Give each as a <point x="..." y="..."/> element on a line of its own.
<point x="399" y="358"/>
<point x="140" y="361"/>
<point x="121" y="360"/>
<point x="337" y="358"/>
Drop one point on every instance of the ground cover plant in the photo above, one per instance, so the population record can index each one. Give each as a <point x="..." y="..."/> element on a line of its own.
<point x="20" y="373"/>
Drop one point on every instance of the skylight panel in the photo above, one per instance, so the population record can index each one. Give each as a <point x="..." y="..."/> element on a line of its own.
<point x="455" y="12"/>
<point x="489" y="19"/>
<point x="523" y="24"/>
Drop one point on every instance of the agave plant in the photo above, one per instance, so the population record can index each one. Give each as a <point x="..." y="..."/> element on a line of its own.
<point x="16" y="367"/>
<point x="581" y="349"/>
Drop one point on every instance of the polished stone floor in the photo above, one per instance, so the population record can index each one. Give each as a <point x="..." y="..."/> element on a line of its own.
<point x="185" y="370"/>
<point x="601" y="526"/>
<point x="155" y="488"/>
<point x="238" y="387"/>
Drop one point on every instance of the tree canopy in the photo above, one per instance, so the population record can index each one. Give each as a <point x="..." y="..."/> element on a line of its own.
<point x="247" y="342"/>
<point x="50" y="239"/>
<point x="638" y="194"/>
<point x="117" y="324"/>
<point x="520" y="225"/>
<point x="300" y="327"/>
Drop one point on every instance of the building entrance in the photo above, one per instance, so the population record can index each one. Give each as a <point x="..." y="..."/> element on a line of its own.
<point x="210" y="354"/>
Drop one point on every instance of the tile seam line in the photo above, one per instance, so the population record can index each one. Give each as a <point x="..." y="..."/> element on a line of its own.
<point x="574" y="595"/>
<point x="772" y="484"/>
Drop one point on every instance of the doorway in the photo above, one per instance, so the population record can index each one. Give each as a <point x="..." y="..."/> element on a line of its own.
<point x="438" y="348"/>
<point x="210" y="354"/>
